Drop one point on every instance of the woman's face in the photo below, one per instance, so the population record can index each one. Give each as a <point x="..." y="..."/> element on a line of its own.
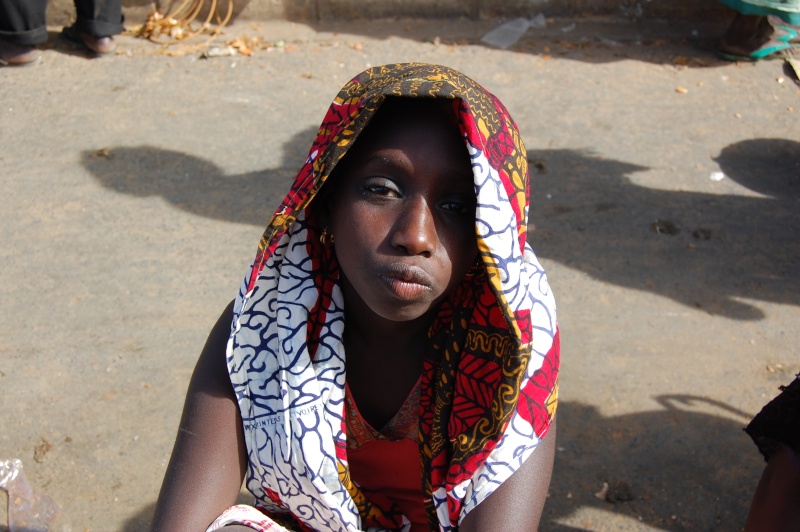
<point x="403" y="213"/>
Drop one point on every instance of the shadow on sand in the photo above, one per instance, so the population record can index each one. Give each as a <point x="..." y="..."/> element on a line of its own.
<point x="706" y="251"/>
<point x="675" y="468"/>
<point x="197" y="186"/>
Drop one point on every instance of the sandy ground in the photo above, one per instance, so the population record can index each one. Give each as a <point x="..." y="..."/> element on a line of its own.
<point x="134" y="189"/>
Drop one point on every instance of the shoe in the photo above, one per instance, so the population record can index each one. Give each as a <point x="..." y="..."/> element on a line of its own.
<point x="17" y="55"/>
<point x="96" y="45"/>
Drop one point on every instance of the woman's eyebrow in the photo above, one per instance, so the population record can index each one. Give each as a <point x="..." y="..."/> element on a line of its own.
<point x="388" y="162"/>
<point x="384" y="159"/>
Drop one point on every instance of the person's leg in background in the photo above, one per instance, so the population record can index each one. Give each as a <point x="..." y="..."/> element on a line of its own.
<point x="760" y="29"/>
<point x="97" y="23"/>
<point x="22" y="28"/>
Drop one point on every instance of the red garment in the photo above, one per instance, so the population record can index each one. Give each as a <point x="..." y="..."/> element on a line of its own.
<point x="387" y="462"/>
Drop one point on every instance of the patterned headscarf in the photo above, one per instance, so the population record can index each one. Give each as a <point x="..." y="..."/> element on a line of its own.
<point x="489" y="382"/>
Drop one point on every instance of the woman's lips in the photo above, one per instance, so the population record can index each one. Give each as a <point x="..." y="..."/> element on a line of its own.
<point x="404" y="289"/>
<point x="406" y="282"/>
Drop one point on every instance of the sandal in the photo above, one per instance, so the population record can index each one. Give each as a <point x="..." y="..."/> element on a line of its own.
<point x="784" y="31"/>
<point x="769" y="50"/>
<point x="788" y="34"/>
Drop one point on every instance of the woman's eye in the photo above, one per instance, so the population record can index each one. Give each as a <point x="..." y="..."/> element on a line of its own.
<point x="381" y="188"/>
<point x="459" y="207"/>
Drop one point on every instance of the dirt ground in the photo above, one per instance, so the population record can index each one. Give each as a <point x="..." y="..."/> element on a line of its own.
<point x="665" y="188"/>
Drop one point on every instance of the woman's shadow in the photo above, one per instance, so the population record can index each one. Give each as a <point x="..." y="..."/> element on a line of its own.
<point x="707" y="251"/>
<point x="676" y="468"/>
<point x="196" y="185"/>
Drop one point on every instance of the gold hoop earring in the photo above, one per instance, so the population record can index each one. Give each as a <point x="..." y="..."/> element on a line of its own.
<point x="326" y="238"/>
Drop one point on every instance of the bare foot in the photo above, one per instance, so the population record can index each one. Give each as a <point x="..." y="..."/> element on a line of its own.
<point x="12" y="54"/>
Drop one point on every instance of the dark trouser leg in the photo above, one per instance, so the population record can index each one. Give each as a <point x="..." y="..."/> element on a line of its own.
<point x="99" y="18"/>
<point x="22" y="21"/>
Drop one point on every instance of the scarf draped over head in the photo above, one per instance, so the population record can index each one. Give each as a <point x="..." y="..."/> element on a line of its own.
<point x="489" y="382"/>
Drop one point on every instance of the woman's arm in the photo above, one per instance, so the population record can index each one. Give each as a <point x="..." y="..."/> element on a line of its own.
<point x="776" y="503"/>
<point x="208" y="461"/>
<point x="517" y="504"/>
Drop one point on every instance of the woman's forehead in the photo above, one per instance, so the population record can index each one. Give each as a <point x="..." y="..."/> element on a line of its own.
<point x="408" y="109"/>
<point x="421" y="125"/>
<point x="410" y="116"/>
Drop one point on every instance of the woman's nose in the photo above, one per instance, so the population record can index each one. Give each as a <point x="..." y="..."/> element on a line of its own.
<point x="415" y="230"/>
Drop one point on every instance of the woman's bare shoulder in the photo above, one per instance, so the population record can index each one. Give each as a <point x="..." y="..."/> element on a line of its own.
<point x="208" y="460"/>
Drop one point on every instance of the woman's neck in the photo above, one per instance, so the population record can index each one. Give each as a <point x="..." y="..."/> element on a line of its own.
<point x="366" y="331"/>
<point x="383" y="359"/>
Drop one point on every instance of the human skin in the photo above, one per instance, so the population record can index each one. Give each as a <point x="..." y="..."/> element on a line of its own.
<point x="776" y="503"/>
<point x="402" y="213"/>
<point x="403" y="216"/>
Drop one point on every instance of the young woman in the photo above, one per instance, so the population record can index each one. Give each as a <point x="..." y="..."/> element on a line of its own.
<point x="391" y="360"/>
